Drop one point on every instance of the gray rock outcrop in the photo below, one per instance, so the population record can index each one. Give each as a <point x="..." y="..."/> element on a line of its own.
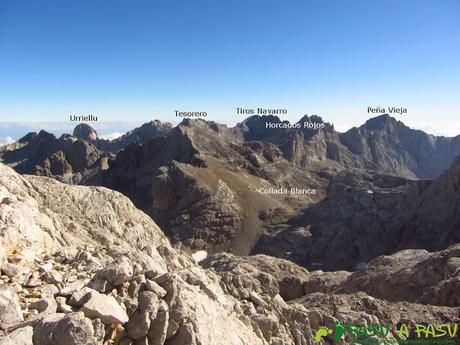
<point x="68" y="159"/>
<point x="367" y="214"/>
<point x="84" y="232"/>
<point x="140" y="135"/>
<point x="205" y="184"/>
<point x="10" y="311"/>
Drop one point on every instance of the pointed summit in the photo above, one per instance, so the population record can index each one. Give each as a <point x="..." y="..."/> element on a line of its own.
<point x="255" y="128"/>
<point x="258" y="121"/>
<point x="379" y="122"/>
<point x="311" y="118"/>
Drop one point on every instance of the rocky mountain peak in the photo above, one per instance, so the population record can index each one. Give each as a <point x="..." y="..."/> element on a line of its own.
<point x="158" y="123"/>
<point x="255" y="128"/>
<point x="146" y="132"/>
<point x="67" y="158"/>
<point x="152" y="126"/>
<point x="27" y="137"/>
<point x="259" y="120"/>
<point x="85" y="132"/>
<point x="311" y="118"/>
<point x="44" y="135"/>
<point x="194" y="123"/>
<point x="380" y="122"/>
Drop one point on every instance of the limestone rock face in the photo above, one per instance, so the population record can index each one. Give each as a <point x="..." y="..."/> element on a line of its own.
<point x="103" y="307"/>
<point x="21" y="336"/>
<point x="150" y="293"/>
<point x="140" y="135"/>
<point x="10" y="311"/>
<point x="367" y="214"/>
<point x="205" y="184"/>
<point x="271" y="275"/>
<point x="76" y="159"/>
<point x="413" y="275"/>
<point x="71" y="329"/>
<point x="382" y="144"/>
<point x="399" y="150"/>
<point x="354" y="308"/>
<point x="118" y="272"/>
<point x="301" y="145"/>
<point x="85" y="233"/>
<point x="67" y="158"/>
<point x="83" y="265"/>
<point x="208" y="186"/>
<point x="202" y="184"/>
<point x="391" y="290"/>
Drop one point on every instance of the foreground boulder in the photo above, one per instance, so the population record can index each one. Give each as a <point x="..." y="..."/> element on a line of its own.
<point x="411" y="275"/>
<point x="20" y="336"/>
<point x="331" y="297"/>
<point x="72" y="329"/>
<point x="104" y="307"/>
<point x="10" y="311"/>
<point x="270" y="275"/>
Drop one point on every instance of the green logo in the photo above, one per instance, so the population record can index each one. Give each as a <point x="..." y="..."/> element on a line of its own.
<point x="324" y="331"/>
<point x="380" y="333"/>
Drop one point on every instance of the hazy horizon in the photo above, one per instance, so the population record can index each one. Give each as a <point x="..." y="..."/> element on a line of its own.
<point x="144" y="60"/>
<point x="14" y="130"/>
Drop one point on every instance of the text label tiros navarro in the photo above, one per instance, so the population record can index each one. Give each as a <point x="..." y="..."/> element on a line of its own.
<point x="261" y="111"/>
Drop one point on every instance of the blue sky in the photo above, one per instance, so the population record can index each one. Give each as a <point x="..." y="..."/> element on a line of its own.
<point x="138" y="60"/>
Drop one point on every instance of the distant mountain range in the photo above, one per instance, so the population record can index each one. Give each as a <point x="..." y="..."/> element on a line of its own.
<point x="141" y="134"/>
<point x="363" y="193"/>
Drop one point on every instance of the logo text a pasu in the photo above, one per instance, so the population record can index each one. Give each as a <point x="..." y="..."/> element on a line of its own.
<point x="429" y="330"/>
